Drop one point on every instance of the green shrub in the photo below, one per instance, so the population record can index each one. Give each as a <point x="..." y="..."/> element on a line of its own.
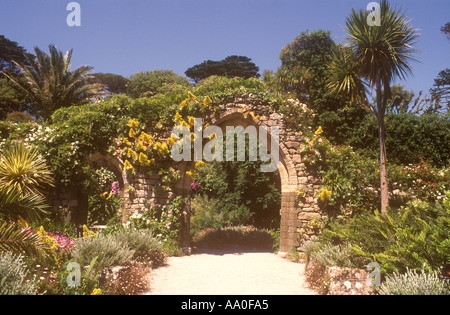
<point x="352" y="178"/>
<point x="148" y="250"/>
<point x="414" y="283"/>
<point x="409" y="137"/>
<point x="13" y="276"/>
<point x="206" y="214"/>
<point x="223" y="89"/>
<point x="337" y="255"/>
<point x="236" y="193"/>
<point x="90" y="278"/>
<point x="163" y="219"/>
<point x="238" y="236"/>
<point x="109" y="249"/>
<point x="413" y="236"/>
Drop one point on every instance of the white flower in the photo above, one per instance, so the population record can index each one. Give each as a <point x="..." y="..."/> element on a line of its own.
<point x="347" y="284"/>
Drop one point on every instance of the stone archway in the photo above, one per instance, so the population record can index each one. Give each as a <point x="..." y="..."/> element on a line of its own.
<point x="295" y="214"/>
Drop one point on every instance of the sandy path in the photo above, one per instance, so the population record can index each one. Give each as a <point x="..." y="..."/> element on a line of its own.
<point x="225" y="272"/>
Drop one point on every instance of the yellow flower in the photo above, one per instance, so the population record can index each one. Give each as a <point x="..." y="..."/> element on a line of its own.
<point x="178" y="117"/>
<point x="199" y="164"/>
<point x="212" y="136"/>
<point x="127" y="165"/>
<point x="325" y="195"/>
<point x="191" y="120"/>
<point x="164" y="148"/>
<point x="132" y="133"/>
<point x="143" y="159"/>
<point x="189" y="173"/>
<point x="133" y="123"/>
<point x="145" y="137"/>
<point x="207" y="101"/>
<point x="97" y="292"/>
<point x="126" y="142"/>
<point x="88" y="233"/>
<point x="131" y="153"/>
<point x="140" y="145"/>
<point x="184" y="103"/>
<point x="171" y="141"/>
<point x="47" y="239"/>
<point x="191" y="97"/>
<point x="319" y="130"/>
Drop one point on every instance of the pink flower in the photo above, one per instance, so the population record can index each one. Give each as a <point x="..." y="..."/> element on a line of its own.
<point x="115" y="188"/>
<point x="195" y="185"/>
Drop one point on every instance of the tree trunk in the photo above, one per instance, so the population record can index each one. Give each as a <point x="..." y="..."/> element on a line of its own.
<point x="383" y="169"/>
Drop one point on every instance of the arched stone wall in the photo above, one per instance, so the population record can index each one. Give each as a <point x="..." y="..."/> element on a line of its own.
<point x="245" y="110"/>
<point x="296" y="213"/>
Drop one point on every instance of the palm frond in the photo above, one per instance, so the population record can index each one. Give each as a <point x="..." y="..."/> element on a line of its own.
<point x="15" y="239"/>
<point x="15" y="206"/>
<point x="384" y="51"/>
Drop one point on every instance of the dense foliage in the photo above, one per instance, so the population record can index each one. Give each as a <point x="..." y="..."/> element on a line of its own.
<point x="231" y="66"/>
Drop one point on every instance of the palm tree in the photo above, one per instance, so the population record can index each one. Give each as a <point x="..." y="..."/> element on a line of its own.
<point x="372" y="58"/>
<point x="49" y="83"/>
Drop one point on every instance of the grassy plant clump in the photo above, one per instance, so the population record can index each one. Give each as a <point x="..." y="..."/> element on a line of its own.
<point x="109" y="249"/>
<point x="148" y="249"/>
<point x="413" y="282"/>
<point x="13" y="276"/>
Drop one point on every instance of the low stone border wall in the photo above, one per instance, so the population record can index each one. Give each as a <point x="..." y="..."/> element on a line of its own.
<point x="348" y="281"/>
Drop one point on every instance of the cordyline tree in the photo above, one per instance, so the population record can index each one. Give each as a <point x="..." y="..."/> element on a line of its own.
<point x="49" y="84"/>
<point x="372" y="57"/>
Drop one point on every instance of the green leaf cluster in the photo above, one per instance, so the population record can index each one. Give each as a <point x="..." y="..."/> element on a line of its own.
<point x="415" y="236"/>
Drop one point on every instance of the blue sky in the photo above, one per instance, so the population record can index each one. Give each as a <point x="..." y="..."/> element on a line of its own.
<point x="126" y="37"/>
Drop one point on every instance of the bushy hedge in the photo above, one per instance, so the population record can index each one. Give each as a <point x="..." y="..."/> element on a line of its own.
<point x="409" y="137"/>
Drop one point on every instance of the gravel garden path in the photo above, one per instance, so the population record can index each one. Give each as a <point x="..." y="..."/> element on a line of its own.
<point x="220" y="272"/>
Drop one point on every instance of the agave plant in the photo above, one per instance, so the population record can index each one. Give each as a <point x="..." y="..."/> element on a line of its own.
<point x="24" y="169"/>
<point x="49" y="83"/>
